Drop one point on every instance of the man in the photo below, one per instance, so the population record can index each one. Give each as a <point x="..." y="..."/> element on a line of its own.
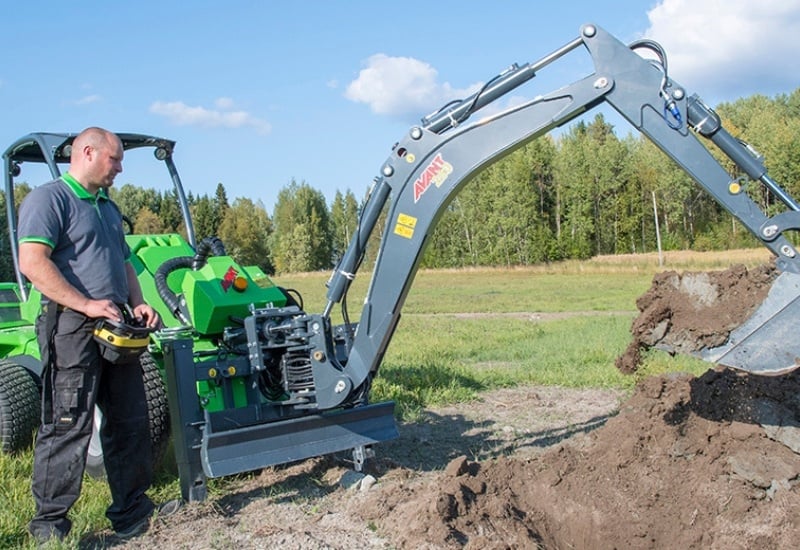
<point x="72" y="249"/>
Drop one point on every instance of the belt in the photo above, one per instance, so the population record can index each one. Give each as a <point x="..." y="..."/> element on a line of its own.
<point x="122" y="307"/>
<point x="46" y="306"/>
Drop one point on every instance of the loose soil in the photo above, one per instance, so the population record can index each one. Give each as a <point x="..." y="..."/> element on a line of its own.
<point x="689" y="312"/>
<point x="683" y="462"/>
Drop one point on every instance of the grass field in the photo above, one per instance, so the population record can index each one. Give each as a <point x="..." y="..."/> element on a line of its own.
<point x="462" y="332"/>
<point x="465" y="331"/>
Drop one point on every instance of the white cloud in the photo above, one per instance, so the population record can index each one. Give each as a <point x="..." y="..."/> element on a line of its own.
<point x="86" y="100"/>
<point x="401" y="86"/>
<point x="728" y="49"/>
<point x="223" y="115"/>
<point x="224" y="103"/>
<point x="720" y="49"/>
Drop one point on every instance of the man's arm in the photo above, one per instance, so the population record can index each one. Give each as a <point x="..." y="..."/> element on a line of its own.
<point x="36" y="265"/>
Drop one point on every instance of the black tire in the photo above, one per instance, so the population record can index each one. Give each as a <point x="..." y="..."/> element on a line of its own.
<point x="20" y="407"/>
<point x="158" y="413"/>
<point x="157" y="407"/>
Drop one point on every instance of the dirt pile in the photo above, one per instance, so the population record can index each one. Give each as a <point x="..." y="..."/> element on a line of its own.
<point x="692" y="311"/>
<point x="706" y="462"/>
<point x="709" y="462"/>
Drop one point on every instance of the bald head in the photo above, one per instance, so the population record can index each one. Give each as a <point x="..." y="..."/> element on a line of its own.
<point x="96" y="158"/>
<point x="94" y="137"/>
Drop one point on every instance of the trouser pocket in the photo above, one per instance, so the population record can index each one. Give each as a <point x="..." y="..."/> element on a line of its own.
<point x="74" y="365"/>
<point x="68" y="390"/>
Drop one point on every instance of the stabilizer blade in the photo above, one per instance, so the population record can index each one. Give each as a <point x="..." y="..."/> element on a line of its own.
<point x="252" y="447"/>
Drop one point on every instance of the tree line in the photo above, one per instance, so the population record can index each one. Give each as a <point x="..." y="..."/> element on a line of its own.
<point x="585" y="192"/>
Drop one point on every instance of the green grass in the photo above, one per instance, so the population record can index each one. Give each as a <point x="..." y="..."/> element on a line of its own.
<point x="462" y="333"/>
<point x="448" y="359"/>
<point x="603" y="283"/>
<point x="493" y="291"/>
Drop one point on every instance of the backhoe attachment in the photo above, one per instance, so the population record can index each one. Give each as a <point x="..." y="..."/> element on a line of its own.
<point x="429" y="166"/>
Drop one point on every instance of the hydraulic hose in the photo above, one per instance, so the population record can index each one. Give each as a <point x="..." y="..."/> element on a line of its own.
<point x="209" y="245"/>
<point x="169" y="297"/>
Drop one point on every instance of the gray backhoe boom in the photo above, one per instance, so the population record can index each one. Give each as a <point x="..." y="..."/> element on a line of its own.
<point x="429" y="166"/>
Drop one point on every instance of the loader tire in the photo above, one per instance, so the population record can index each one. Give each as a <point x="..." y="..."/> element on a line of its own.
<point x="20" y="407"/>
<point x="158" y="416"/>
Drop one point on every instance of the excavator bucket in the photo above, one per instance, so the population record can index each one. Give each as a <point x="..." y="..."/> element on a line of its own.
<point x="767" y="342"/>
<point x="740" y="318"/>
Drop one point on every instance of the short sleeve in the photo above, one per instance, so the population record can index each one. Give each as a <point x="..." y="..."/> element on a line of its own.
<point x="40" y="218"/>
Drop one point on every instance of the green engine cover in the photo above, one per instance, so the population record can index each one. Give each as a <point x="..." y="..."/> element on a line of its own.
<point x="221" y="289"/>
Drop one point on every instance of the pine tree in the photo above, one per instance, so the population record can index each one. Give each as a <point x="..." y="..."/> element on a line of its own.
<point x="302" y="230"/>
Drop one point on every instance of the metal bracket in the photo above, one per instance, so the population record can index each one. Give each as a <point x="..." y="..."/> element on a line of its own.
<point x="360" y="456"/>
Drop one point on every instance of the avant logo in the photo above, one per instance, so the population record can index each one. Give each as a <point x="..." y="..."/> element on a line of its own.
<point x="435" y="173"/>
<point x="229" y="278"/>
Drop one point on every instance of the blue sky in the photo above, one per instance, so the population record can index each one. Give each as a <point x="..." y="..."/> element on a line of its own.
<point x="259" y="93"/>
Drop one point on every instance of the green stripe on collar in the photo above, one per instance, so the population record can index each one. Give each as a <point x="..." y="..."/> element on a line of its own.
<point x="79" y="190"/>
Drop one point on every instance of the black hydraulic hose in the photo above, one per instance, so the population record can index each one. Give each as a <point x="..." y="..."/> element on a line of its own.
<point x="169" y="297"/>
<point x="208" y="245"/>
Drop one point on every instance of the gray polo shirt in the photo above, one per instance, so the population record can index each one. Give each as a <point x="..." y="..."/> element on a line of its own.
<point x="84" y="232"/>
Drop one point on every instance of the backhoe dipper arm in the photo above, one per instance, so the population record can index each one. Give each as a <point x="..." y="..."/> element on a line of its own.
<point x="430" y="165"/>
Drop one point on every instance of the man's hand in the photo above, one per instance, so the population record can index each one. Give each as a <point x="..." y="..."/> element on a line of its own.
<point x="102" y="308"/>
<point x="147" y="316"/>
<point x="142" y="312"/>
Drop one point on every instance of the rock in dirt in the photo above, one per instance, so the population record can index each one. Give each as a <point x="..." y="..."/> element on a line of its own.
<point x="692" y="311"/>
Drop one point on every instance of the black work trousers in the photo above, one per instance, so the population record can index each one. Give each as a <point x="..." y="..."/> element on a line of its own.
<point x="75" y="378"/>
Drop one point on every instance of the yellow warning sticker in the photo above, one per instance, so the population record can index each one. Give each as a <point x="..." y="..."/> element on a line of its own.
<point x="403" y="231"/>
<point x="405" y="225"/>
<point x="405" y="219"/>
